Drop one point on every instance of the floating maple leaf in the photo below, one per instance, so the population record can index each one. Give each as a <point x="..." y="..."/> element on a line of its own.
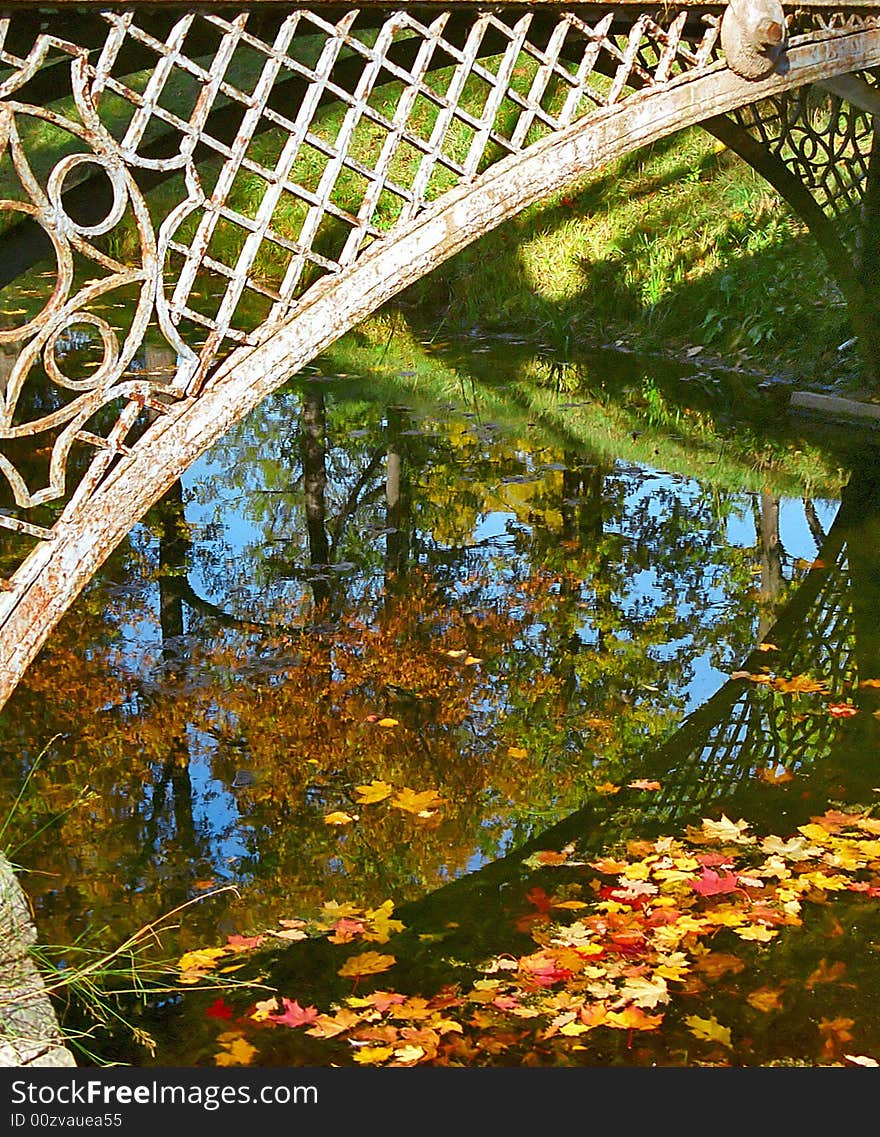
<point x="293" y="1014"/>
<point x="766" y="999"/>
<point x="842" y="710"/>
<point x="237" y="1051"/>
<point x="643" y="784"/>
<point x="727" y="830"/>
<point x="800" y="684"/>
<point x="412" y="802"/>
<point x="710" y="1030"/>
<point x="340" y="817"/>
<point x="374" y="791"/>
<point x="367" y="963"/>
<point x="711" y="883"/>
<point x="826" y="973"/>
<point x="244" y="943"/>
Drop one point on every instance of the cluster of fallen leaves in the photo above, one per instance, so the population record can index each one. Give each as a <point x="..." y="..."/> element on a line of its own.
<point x="423" y="804"/>
<point x="617" y="943"/>
<point x="804" y="685"/>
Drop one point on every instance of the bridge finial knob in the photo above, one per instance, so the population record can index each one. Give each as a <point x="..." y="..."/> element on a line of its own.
<point x="753" y="37"/>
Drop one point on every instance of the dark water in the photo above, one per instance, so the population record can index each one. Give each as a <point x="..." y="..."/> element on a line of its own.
<point x="497" y="592"/>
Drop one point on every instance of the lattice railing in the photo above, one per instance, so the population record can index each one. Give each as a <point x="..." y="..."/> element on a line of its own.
<point x="765" y="728"/>
<point x="199" y="180"/>
<point x="823" y="139"/>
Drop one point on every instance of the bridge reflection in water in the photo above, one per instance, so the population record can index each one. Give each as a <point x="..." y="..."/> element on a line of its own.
<point x="773" y="754"/>
<point x="278" y="229"/>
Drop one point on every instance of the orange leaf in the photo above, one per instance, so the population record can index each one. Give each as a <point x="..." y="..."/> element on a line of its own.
<point x="643" y="784"/>
<point x="775" y="775"/>
<point x="826" y="973"/>
<point x="765" y="999"/>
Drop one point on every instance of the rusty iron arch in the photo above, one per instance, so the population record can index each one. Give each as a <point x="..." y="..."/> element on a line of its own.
<point x="601" y="82"/>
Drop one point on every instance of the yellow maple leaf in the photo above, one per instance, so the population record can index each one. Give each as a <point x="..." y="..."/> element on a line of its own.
<point x="517" y="751"/>
<point x="339" y="817"/>
<point x="759" y="933"/>
<point x="643" y="992"/>
<point x="237" y="1051"/>
<point x="674" y="967"/>
<point x="332" y="911"/>
<point x="374" y="791"/>
<point x="380" y="924"/>
<point x="373" y="1055"/>
<point x="632" y="1018"/>
<point x="643" y="784"/>
<point x="329" y="1026"/>
<point x="367" y="963"/>
<point x="710" y="1030"/>
<point x="607" y="788"/>
<point x="413" y="802"/>
<point x="388" y="722"/>
<point x="203" y="959"/>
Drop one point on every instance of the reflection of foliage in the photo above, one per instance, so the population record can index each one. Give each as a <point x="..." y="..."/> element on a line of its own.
<point x="505" y="622"/>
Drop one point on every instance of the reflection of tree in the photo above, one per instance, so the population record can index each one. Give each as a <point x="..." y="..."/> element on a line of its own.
<point x="576" y="587"/>
<point x="313" y="447"/>
<point x="770" y="553"/>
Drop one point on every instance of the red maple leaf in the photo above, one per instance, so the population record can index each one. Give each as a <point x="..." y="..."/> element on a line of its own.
<point x="294" y="1014"/>
<point x="711" y="883"/>
<point x="540" y="899"/>
<point x="219" y="1010"/>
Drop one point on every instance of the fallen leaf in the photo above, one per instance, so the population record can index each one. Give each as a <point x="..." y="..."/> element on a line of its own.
<point x="765" y="999"/>
<point x="412" y="802"/>
<point x="340" y="817"/>
<point x="293" y="1014"/>
<point x="374" y="791"/>
<point x="710" y="1030"/>
<point x="516" y="752"/>
<point x="237" y="1051"/>
<point x="387" y="722"/>
<point x="373" y="1055"/>
<point x="826" y="973"/>
<point x="775" y="775"/>
<point x="712" y="883"/>
<point x="367" y="963"/>
<point x="244" y="943"/>
<point x="727" y="830"/>
<point x="643" y="784"/>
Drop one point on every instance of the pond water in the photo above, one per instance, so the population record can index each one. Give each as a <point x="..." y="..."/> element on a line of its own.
<point x="442" y="657"/>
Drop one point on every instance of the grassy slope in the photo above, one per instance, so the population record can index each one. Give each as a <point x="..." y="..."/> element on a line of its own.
<point x="673" y="247"/>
